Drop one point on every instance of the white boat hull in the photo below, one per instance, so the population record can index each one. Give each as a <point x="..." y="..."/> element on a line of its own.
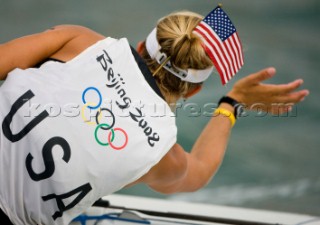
<point x="130" y="210"/>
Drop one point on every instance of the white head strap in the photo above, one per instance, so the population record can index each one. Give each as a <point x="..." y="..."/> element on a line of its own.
<point x="190" y="75"/>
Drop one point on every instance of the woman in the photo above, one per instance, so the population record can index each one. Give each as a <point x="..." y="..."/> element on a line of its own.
<point x="53" y="167"/>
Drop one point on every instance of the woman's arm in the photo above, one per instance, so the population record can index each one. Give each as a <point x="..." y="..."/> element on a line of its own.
<point x="184" y="172"/>
<point x="61" y="42"/>
<point x="180" y="171"/>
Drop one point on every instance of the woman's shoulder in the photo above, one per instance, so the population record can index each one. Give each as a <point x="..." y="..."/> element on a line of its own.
<point x="83" y="37"/>
<point x="76" y="29"/>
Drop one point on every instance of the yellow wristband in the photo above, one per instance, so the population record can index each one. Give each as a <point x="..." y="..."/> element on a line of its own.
<point x="226" y="113"/>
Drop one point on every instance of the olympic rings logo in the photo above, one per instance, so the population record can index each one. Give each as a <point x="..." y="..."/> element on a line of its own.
<point x="102" y="126"/>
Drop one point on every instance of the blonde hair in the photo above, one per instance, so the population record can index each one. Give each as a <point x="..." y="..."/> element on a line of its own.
<point x="175" y="36"/>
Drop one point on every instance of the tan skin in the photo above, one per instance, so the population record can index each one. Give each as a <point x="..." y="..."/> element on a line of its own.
<point x="178" y="170"/>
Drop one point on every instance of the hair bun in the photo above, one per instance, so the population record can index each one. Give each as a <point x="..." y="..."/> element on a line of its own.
<point x="176" y="38"/>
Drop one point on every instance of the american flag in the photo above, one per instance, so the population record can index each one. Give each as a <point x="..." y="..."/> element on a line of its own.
<point x="222" y="43"/>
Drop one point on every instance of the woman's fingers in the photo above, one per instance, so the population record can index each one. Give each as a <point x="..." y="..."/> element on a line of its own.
<point x="293" y="97"/>
<point x="282" y="103"/>
<point x="279" y="89"/>
<point x="260" y="76"/>
<point x="274" y="98"/>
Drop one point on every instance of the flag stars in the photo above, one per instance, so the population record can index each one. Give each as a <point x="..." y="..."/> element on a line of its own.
<point x="220" y="23"/>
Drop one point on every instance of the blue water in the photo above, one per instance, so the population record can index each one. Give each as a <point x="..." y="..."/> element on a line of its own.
<point x="271" y="162"/>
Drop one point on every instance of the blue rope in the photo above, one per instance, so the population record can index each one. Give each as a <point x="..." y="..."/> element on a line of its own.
<point x="83" y="218"/>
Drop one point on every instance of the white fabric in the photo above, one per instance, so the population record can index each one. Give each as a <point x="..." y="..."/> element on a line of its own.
<point x="190" y="75"/>
<point x="58" y="89"/>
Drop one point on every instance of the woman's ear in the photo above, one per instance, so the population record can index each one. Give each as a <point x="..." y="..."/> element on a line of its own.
<point x="193" y="92"/>
<point x="140" y="47"/>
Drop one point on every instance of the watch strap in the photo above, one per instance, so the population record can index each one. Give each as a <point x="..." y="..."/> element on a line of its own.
<point x="238" y="107"/>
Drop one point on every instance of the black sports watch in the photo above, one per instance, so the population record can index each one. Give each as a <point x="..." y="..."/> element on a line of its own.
<point x="238" y="107"/>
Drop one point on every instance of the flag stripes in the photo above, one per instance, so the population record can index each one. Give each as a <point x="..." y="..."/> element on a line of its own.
<point x="223" y="47"/>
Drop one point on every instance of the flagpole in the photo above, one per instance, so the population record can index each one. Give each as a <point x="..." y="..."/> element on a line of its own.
<point x="220" y="5"/>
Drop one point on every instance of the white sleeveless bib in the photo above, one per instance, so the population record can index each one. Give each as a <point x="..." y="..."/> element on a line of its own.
<point x="74" y="132"/>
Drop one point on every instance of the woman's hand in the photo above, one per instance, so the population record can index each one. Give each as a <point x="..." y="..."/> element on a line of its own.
<point x="273" y="98"/>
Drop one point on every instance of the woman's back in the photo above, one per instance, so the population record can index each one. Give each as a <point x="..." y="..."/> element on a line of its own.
<point x="76" y="131"/>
